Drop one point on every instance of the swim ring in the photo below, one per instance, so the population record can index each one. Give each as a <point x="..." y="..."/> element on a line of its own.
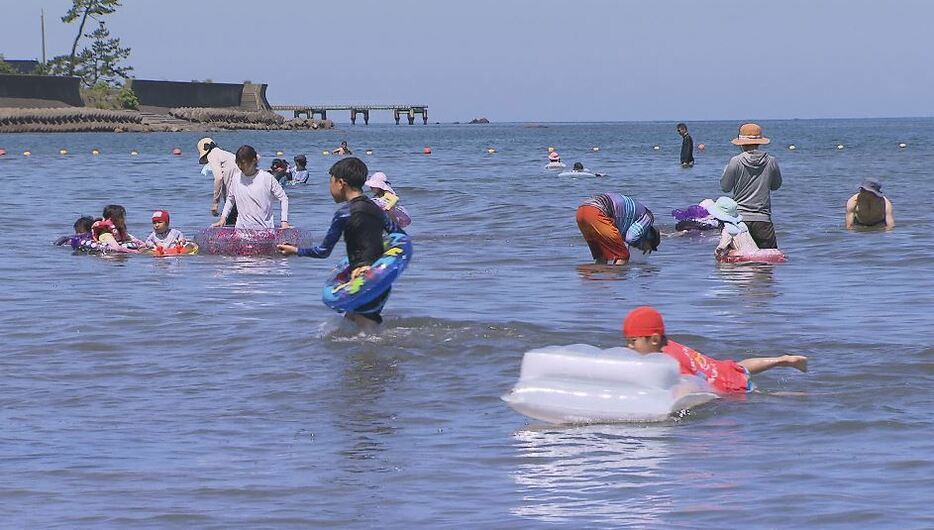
<point x="695" y="218"/>
<point x="231" y="241"/>
<point x="90" y="246"/>
<point x="765" y="255"/>
<point x="583" y="384"/>
<point x="189" y="248"/>
<point x="343" y="293"/>
<point x="397" y="213"/>
<point x="555" y="165"/>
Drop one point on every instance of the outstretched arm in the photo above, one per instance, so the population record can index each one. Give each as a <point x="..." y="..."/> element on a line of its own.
<point x="757" y="365"/>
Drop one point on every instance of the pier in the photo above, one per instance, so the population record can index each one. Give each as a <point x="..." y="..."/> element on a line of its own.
<point x="409" y="111"/>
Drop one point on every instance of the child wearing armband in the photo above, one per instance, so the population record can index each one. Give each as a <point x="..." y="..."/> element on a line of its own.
<point x="644" y="331"/>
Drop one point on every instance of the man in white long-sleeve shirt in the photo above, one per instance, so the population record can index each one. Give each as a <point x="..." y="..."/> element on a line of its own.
<point x="252" y="192"/>
<point x="223" y="164"/>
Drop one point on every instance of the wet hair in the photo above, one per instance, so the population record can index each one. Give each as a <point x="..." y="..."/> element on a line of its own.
<point x="651" y="238"/>
<point x="246" y="153"/>
<point x="351" y="170"/>
<point x="300" y="160"/>
<point x="681" y="126"/>
<point x="578" y="166"/>
<point x="83" y="224"/>
<point x="114" y="211"/>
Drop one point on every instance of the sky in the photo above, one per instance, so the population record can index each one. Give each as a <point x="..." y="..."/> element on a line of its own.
<point x="525" y="60"/>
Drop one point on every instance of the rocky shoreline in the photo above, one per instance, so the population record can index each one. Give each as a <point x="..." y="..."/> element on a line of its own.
<point x="85" y="119"/>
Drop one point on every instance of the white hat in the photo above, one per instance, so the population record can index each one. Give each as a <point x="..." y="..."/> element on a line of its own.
<point x="379" y="181"/>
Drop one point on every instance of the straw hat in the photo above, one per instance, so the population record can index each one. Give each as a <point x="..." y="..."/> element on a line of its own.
<point x="750" y="134"/>
<point x="204" y="147"/>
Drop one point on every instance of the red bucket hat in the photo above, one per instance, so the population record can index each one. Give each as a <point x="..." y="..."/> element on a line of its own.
<point x="643" y="321"/>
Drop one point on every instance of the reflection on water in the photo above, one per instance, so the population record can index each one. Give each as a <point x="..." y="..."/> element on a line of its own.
<point x="751" y="283"/>
<point x="638" y="269"/>
<point x="607" y="474"/>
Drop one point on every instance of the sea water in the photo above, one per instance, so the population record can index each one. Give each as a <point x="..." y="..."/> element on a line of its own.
<point x="218" y="392"/>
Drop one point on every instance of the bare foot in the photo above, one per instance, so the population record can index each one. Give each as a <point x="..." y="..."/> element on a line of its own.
<point x="797" y="361"/>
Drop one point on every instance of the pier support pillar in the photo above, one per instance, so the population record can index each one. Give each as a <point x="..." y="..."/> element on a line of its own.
<point x="395" y="114"/>
<point x="411" y="117"/>
<point x="366" y="117"/>
<point x="353" y="116"/>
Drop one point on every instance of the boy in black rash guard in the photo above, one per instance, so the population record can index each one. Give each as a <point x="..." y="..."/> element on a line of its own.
<point x="362" y="224"/>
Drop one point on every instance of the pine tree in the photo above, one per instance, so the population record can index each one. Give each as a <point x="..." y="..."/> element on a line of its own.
<point x="101" y="62"/>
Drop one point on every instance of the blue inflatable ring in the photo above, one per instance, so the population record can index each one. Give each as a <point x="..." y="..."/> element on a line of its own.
<point x="344" y="293"/>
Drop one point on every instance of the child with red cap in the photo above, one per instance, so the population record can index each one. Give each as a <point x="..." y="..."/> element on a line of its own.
<point x="644" y="331"/>
<point x="162" y="235"/>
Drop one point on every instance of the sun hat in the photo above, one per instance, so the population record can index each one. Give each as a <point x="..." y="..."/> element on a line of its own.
<point x="643" y="321"/>
<point x="750" y="134"/>
<point x="204" y="147"/>
<point x="872" y="186"/>
<point x="554" y="156"/>
<point x="379" y="181"/>
<point x="160" y="215"/>
<point x="725" y="210"/>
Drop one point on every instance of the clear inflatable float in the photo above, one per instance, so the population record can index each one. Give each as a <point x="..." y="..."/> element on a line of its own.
<point x="580" y="384"/>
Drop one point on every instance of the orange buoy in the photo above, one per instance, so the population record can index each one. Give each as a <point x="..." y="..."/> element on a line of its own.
<point x="701" y="147"/>
<point x="2" y="151"/>
<point x="426" y="150"/>
<point x="177" y="151"/>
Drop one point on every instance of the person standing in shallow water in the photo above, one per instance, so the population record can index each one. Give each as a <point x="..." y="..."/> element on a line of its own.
<point x="687" y="146"/>
<point x="752" y="176"/>
<point x="869" y="207"/>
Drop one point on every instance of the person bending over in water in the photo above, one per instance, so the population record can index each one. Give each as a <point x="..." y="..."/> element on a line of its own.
<point x="869" y="207"/>
<point x="362" y="224"/>
<point x="644" y="331"/>
<point x="610" y="221"/>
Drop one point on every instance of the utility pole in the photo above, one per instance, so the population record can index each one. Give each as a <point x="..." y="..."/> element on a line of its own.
<point x="42" y="23"/>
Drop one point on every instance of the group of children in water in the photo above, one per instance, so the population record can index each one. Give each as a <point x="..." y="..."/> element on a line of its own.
<point x="108" y="233"/>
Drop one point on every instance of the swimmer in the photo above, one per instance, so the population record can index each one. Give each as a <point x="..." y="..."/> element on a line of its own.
<point x="300" y="170"/>
<point x="343" y="149"/>
<point x="162" y="235"/>
<point x="644" y="331"/>
<point x="610" y="221"/>
<point x="111" y="230"/>
<point x="82" y="231"/>
<point x="869" y="207"/>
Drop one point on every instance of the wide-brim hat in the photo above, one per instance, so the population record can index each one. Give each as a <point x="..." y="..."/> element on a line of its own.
<point x="204" y="147"/>
<point x="725" y="210"/>
<point x="379" y="181"/>
<point x="872" y="186"/>
<point x="750" y="134"/>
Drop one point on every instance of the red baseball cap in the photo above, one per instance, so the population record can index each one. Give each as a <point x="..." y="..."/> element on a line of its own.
<point x="643" y="321"/>
<point x="160" y="215"/>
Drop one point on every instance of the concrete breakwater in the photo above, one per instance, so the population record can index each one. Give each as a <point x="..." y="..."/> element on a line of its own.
<point x="83" y="119"/>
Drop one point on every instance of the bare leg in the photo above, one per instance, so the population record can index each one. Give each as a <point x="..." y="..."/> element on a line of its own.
<point x="757" y="365"/>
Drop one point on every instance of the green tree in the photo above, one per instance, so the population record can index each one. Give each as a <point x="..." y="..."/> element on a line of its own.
<point x="101" y="63"/>
<point x="6" y="68"/>
<point x="85" y="9"/>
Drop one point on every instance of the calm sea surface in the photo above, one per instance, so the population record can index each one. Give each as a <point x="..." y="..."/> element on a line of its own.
<point x="218" y="392"/>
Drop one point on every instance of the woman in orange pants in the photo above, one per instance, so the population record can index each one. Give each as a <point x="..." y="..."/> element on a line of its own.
<point x="610" y="221"/>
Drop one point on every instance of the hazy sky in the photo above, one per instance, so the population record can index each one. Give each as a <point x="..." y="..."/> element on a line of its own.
<point x="525" y="60"/>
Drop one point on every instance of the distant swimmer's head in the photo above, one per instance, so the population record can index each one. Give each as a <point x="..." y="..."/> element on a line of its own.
<point x="83" y="224"/>
<point x="554" y="157"/>
<point x="300" y="161"/>
<point x="578" y="166"/>
<point x="644" y="330"/>
<point x="649" y="241"/>
<point x="348" y="175"/>
<point x="246" y="160"/>
<point x="204" y="147"/>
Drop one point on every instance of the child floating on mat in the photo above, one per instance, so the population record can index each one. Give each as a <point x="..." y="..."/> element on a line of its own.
<point x="252" y="192"/>
<point x="610" y="221"/>
<point x="644" y="331"/>
<point x="362" y="224"/>
<point x="300" y="170"/>
<point x="82" y="232"/>
<point x="162" y="235"/>
<point x="110" y="232"/>
<point x="734" y="235"/>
